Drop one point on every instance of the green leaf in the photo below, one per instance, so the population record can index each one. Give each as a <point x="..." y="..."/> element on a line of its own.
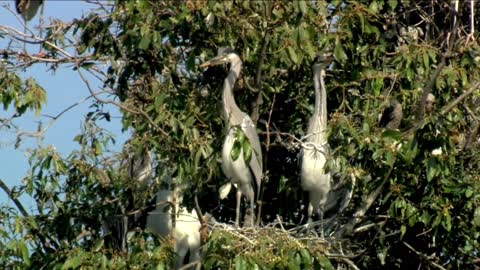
<point x="468" y="193"/>
<point x="306" y="255"/>
<point x="373" y="7"/>
<point x="303" y="6"/>
<point x="393" y="4"/>
<point x="476" y="217"/>
<point x="426" y="61"/>
<point x="240" y="263"/>
<point x="24" y="251"/>
<point x="403" y="229"/>
<point x="339" y="53"/>
<point x="236" y="149"/>
<point x="98" y="148"/>
<point x="377" y="86"/>
<point x="325" y="263"/>
<point x="144" y="42"/>
<point x="394" y="134"/>
<point x="240" y="135"/>
<point x="432" y="169"/>
<point x="292" y="54"/>
<point x="247" y="151"/>
<point x="389" y="159"/>
<point x="447" y="221"/>
<point x="73" y="262"/>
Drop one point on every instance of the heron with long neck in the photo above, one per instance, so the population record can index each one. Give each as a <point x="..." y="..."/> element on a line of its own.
<point x="241" y="172"/>
<point x="315" y="152"/>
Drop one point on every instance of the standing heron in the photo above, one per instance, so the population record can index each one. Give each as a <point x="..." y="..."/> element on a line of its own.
<point x="314" y="154"/>
<point x="240" y="171"/>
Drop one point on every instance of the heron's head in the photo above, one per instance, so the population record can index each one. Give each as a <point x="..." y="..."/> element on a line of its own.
<point x="322" y="61"/>
<point x="224" y="55"/>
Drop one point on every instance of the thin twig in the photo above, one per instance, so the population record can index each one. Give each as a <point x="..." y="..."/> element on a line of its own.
<point x="423" y="256"/>
<point x="120" y="105"/>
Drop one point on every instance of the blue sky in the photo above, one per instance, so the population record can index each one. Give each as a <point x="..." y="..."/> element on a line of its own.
<point x="64" y="87"/>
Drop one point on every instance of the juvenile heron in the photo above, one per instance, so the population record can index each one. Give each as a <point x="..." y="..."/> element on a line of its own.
<point x="314" y="155"/>
<point x="186" y="232"/>
<point x="242" y="173"/>
<point x="138" y="165"/>
<point x="392" y="115"/>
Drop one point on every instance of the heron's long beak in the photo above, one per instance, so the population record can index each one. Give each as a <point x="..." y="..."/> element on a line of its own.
<point x="215" y="61"/>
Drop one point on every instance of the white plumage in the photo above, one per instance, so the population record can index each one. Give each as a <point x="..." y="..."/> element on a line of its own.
<point x="186" y="232"/>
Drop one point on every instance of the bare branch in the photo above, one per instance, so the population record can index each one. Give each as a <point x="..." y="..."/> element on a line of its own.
<point x="423" y="256"/>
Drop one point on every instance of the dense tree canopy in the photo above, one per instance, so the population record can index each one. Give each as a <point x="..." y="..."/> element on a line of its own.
<point x="416" y="200"/>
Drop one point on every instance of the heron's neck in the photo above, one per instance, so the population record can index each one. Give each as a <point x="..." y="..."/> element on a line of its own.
<point x="320" y="112"/>
<point x="229" y="104"/>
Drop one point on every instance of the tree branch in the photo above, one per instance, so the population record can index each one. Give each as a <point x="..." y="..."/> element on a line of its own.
<point x="120" y="105"/>
<point x="423" y="256"/>
<point x="454" y="103"/>
<point x="10" y="194"/>
<point x="258" y="79"/>
<point x="362" y="210"/>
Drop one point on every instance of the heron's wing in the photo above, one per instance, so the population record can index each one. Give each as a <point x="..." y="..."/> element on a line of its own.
<point x="256" y="163"/>
<point x="341" y="194"/>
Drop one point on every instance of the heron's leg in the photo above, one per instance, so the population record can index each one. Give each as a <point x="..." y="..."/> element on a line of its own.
<point x="181" y="253"/>
<point x="237" y="212"/>
<point x="310" y="213"/>
<point x="252" y="220"/>
<point x="320" y="215"/>
<point x="472" y="22"/>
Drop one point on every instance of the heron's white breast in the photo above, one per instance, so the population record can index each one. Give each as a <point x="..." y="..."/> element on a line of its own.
<point x="313" y="171"/>
<point x="237" y="171"/>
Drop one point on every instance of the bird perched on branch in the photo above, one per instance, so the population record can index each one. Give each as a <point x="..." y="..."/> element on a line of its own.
<point x="316" y="151"/>
<point x="392" y="115"/>
<point x="241" y="154"/>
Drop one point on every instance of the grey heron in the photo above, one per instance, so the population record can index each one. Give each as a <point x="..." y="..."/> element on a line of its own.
<point x="315" y="151"/>
<point x="241" y="172"/>
<point x="392" y="115"/>
<point x="139" y="173"/>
